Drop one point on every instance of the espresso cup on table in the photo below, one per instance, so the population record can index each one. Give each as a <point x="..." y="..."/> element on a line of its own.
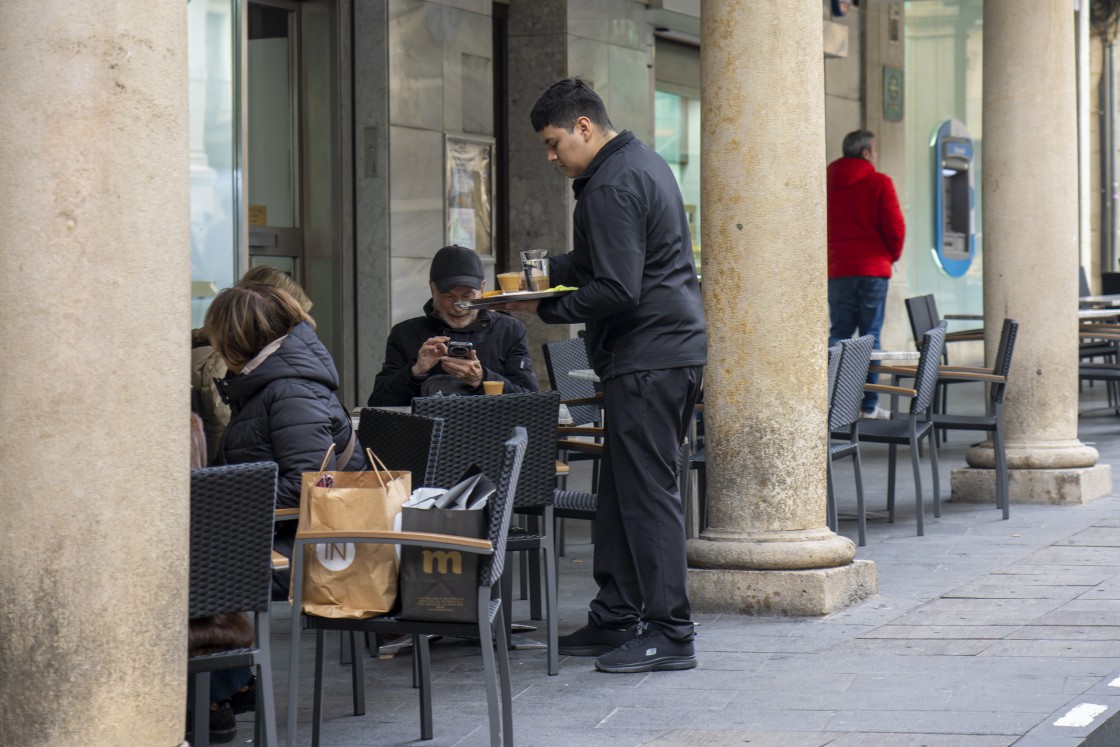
<point x="493" y="387"/>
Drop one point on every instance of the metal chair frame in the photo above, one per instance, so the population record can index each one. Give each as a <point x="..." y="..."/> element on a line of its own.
<point x="231" y="571"/>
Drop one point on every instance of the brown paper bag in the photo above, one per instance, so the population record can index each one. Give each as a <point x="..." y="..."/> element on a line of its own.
<point x="351" y="580"/>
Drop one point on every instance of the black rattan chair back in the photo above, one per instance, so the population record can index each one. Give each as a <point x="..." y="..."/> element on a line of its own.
<point x="925" y="379"/>
<point x="231" y="538"/>
<point x="1002" y="365"/>
<point x="474" y="429"/>
<point x="917" y="308"/>
<point x="833" y="367"/>
<point x="563" y="356"/>
<point x="847" y="394"/>
<point x="501" y="507"/>
<point x="403" y="441"/>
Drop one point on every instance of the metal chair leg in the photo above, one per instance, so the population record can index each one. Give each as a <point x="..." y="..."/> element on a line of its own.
<point x="917" y="486"/>
<point x="861" y="512"/>
<point x="317" y="707"/>
<point x="892" y="452"/>
<point x="936" y="473"/>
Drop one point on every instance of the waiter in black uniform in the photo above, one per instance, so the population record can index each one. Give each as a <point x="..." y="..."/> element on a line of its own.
<point x="640" y="299"/>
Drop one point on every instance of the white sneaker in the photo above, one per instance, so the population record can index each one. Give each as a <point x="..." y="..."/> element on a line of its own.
<point x="877" y="414"/>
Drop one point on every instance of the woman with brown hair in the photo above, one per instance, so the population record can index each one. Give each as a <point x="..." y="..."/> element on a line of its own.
<point x="280" y="388"/>
<point x="207" y="365"/>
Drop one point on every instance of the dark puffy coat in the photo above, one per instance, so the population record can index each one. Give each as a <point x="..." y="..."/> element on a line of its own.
<point x="286" y="411"/>
<point x="498" y="339"/>
<point x="866" y="229"/>
<point x="632" y="262"/>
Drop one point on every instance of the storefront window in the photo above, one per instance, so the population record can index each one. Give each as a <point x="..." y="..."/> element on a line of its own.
<point x="944" y="49"/>
<point x="677" y="139"/>
<point x="212" y="28"/>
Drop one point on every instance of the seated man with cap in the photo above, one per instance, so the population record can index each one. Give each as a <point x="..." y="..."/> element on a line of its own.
<point x="417" y="363"/>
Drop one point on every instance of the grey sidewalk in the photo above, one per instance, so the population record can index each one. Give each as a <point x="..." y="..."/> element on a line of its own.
<point x="984" y="633"/>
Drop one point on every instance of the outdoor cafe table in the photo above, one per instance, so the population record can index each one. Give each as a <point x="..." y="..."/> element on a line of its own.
<point x="1081" y="314"/>
<point x="587" y="374"/>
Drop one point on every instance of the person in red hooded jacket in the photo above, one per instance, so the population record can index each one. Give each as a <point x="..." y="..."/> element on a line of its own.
<point x="865" y="236"/>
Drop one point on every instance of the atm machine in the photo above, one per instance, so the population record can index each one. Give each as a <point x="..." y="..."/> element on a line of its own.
<point x="954" y="204"/>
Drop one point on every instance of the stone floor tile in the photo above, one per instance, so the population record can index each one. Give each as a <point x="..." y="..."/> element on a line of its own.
<point x="922" y="740"/>
<point x="1067" y="633"/>
<point x="989" y="632"/>
<point x="713" y="738"/>
<point x="914" y="646"/>
<point x="978" y="612"/>
<point x="994" y="722"/>
<point x="1103" y="649"/>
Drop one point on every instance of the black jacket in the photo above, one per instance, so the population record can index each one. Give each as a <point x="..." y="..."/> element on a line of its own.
<point x="285" y="411"/>
<point x="632" y="262"/>
<point x="498" y="339"/>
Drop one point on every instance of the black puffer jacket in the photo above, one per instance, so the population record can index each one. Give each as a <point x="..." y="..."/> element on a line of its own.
<point x="498" y="339"/>
<point x="285" y="411"/>
<point x="632" y="262"/>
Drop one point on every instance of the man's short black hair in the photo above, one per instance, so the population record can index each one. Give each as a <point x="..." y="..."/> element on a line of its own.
<point x="856" y="142"/>
<point x="565" y="102"/>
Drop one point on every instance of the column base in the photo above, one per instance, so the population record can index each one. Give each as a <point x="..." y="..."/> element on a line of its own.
<point x="803" y="593"/>
<point x="1060" y="487"/>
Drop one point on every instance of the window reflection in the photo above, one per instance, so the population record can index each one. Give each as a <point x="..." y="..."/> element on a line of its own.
<point x="211" y="27"/>
<point x="677" y="139"/>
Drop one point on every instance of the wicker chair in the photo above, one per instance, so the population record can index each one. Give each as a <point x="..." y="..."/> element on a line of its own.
<point x="924" y="316"/>
<point x="910" y="428"/>
<point x="403" y="441"/>
<point x="851" y="360"/>
<point x="473" y="429"/>
<point x="487" y="627"/>
<point x="992" y="420"/>
<point x="231" y="571"/>
<point x="563" y="356"/>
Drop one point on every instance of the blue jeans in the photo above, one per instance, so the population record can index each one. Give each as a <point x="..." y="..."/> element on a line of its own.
<point x="855" y="305"/>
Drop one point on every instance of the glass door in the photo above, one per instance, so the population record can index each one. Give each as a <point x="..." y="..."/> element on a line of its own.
<point x="274" y="137"/>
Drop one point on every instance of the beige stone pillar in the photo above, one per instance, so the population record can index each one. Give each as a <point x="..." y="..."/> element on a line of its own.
<point x="94" y="262"/>
<point x="1031" y="232"/>
<point x="767" y="547"/>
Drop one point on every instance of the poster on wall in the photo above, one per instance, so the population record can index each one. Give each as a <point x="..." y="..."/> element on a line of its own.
<point x="469" y="192"/>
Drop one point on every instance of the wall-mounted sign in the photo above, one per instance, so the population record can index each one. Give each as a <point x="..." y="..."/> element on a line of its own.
<point x="258" y="215"/>
<point x="892" y="94"/>
<point x="469" y="192"/>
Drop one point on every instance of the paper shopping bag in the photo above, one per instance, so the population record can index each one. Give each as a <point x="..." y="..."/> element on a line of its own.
<point x="351" y="580"/>
<point x="442" y="585"/>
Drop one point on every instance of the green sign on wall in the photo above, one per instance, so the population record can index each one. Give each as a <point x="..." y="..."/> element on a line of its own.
<point x="892" y="94"/>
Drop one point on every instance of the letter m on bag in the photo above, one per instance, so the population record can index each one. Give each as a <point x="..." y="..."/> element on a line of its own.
<point x="441" y="559"/>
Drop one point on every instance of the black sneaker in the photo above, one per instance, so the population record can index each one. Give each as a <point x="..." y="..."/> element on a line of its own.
<point x="651" y="652"/>
<point x="223" y="725"/>
<point x="245" y="700"/>
<point x="592" y="640"/>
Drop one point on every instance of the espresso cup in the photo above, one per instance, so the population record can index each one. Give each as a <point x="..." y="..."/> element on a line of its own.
<point x="509" y="282"/>
<point x="493" y="387"/>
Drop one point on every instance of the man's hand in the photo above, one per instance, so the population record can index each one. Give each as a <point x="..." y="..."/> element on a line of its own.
<point x="431" y="352"/>
<point x="466" y="370"/>
<point x="523" y="307"/>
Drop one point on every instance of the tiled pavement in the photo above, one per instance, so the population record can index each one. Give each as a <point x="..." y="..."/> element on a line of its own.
<point x="984" y="633"/>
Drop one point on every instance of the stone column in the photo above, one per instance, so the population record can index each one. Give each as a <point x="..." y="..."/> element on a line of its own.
<point x="767" y="548"/>
<point x="94" y="208"/>
<point x="1030" y="232"/>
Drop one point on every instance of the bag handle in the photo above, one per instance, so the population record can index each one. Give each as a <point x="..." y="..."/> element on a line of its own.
<point x="327" y="458"/>
<point x="375" y="462"/>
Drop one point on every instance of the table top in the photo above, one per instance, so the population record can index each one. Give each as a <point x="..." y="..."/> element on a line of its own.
<point x="1107" y="298"/>
<point x="1081" y="314"/>
<point x="1097" y="313"/>
<point x="584" y="374"/>
<point x="895" y="355"/>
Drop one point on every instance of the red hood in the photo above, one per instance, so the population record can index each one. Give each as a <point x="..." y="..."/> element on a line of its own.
<point x="844" y="172"/>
